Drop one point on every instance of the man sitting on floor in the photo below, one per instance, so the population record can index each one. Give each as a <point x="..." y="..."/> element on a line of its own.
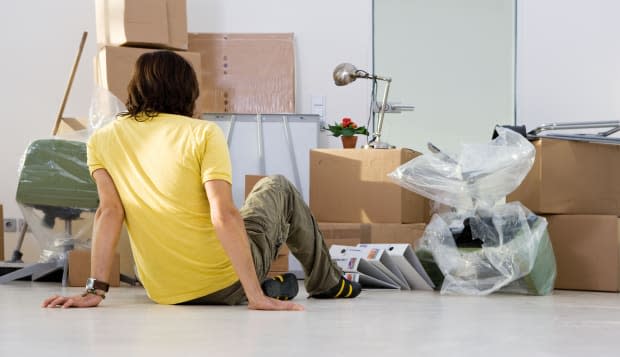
<point x="168" y="176"/>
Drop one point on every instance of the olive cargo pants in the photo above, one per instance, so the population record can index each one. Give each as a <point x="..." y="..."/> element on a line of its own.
<point x="275" y="214"/>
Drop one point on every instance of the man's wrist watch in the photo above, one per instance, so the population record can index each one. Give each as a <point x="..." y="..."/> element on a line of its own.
<point x="94" y="284"/>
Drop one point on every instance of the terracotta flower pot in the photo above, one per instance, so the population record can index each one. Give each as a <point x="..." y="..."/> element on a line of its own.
<point x="349" y="142"/>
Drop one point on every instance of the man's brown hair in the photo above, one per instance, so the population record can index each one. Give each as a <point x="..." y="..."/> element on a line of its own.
<point x="162" y="82"/>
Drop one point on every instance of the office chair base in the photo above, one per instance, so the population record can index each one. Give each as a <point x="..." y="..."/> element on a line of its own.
<point x="36" y="271"/>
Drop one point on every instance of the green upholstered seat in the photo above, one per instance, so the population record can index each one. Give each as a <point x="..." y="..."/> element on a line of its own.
<point x="54" y="174"/>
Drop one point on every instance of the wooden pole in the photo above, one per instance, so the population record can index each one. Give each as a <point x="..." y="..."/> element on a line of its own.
<point x="68" y="89"/>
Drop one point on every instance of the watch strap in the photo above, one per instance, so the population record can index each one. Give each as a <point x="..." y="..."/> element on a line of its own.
<point x="93" y="292"/>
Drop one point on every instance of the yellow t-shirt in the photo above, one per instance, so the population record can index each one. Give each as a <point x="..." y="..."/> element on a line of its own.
<point x="159" y="167"/>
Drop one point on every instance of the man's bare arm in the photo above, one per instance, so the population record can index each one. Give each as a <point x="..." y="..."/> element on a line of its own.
<point x="106" y="233"/>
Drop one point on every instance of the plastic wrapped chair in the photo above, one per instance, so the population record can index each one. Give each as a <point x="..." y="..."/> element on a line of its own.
<point x="54" y="186"/>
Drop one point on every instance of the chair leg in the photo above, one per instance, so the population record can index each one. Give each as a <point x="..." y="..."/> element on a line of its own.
<point x="65" y="270"/>
<point x="37" y="270"/>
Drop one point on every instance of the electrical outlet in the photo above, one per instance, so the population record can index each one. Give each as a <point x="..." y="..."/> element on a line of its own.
<point x="10" y="225"/>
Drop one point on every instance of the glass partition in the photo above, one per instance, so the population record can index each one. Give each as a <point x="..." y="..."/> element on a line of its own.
<point x="454" y="61"/>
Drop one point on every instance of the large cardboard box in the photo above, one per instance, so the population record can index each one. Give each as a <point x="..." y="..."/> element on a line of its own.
<point x="246" y="73"/>
<point x="142" y="23"/>
<point x="114" y="68"/>
<point x="352" y="186"/>
<point x="353" y="234"/>
<point x="587" y="251"/>
<point x="570" y="177"/>
<point x="79" y="268"/>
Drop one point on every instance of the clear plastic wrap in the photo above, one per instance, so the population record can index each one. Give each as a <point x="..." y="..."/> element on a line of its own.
<point x="476" y="246"/>
<point x="58" y="231"/>
<point x="104" y="108"/>
<point x="515" y="253"/>
<point x="55" y="192"/>
<point x="479" y="176"/>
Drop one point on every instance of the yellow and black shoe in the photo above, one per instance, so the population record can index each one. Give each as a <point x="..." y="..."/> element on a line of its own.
<point x="281" y="287"/>
<point x="344" y="289"/>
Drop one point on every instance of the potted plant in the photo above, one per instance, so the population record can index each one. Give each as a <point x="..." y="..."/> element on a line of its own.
<point x="347" y="129"/>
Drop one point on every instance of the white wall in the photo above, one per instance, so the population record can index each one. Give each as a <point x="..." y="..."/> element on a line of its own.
<point x="568" y="61"/>
<point x="453" y="60"/>
<point x="40" y="40"/>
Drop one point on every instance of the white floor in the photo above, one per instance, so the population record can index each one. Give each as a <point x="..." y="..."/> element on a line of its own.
<point x="378" y="323"/>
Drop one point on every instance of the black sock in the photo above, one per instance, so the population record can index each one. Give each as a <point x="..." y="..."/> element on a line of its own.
<point x="344" y="289"/>
<point x="281" y="287"/>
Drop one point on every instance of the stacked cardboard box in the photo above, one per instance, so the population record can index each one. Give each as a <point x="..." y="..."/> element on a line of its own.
<point x="356" y="202"/>
<point x="575" y="185"/>
<point x="238" y="73"/>
<point x="128" y="28"/>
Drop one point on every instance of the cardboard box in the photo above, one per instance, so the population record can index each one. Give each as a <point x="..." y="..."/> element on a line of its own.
<point x="246" y="73"/>
<point x="351" y="185"/>
<point x="114" y="68"/>
<point x="342" y="233"/>
<point x="250" y="182"/>
<point x="142" y="23"/>
<point x="280" y="263"/>
<point x="353" y="234"/>
<point x="587" y="251"/>
<point x="79" y="268"/>
<point x="570" y="177"/>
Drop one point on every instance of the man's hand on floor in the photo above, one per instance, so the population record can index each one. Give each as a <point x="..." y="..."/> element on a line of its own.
<point x="267" y="303"/>
<point x="87" y="300"/>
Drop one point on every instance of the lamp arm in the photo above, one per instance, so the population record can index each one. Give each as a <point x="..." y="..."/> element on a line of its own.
<point x="377" y="133"/>
<point x="386" y="79"/>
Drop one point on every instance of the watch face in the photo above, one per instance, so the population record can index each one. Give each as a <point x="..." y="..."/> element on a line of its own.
<point x="92" y="283"/>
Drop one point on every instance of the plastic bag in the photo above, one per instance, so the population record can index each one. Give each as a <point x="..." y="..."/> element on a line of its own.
<point x="104" y="108"/>
<point x="479" y="176"/>
<point x="56" y="195"/>
<point x="514" y="255"/>
<point x="477" y="246"/>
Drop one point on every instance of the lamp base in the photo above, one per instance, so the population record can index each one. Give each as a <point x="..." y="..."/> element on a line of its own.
<point x="378" y="145"/>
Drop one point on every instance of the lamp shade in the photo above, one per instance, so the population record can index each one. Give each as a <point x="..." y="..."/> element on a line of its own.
<point x="344" y="74"/>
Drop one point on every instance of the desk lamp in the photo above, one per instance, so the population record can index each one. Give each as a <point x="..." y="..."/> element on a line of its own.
<point x="346" y="73"/>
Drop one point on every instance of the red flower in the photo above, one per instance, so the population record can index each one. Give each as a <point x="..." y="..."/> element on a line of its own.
<point x="347" y="127"/>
